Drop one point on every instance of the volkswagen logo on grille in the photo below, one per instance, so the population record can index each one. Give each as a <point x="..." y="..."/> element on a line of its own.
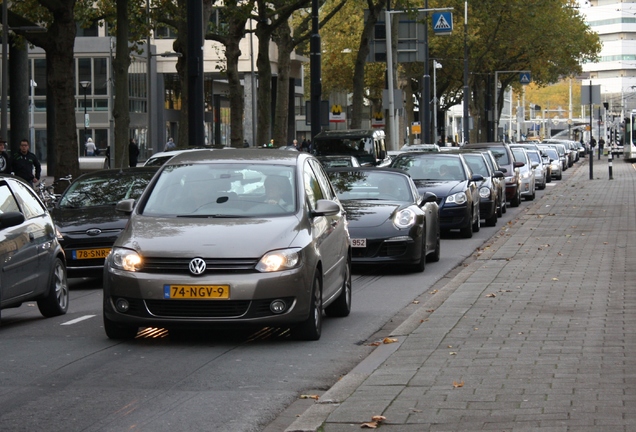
<point x="197" y="266"/>
<point x="93" y="231"/>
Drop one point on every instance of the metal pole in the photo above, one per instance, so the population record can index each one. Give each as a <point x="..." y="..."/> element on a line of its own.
<point x="111" y="103"/>
<point x="426" y="91"/>
<point x="5" y="72"/>
<point x="148" y="86"/>
<point x="435" y="100"/>
<point x="389" y="66"/>
<point x="253" y="82"/>
<point x="32" y="111"/>
<point x="315" y="71"/>
<point x="591" y="152"/>
<point x="196" y="115"/>
<point x="466" y="89"/>
<point x="496" y="112"/>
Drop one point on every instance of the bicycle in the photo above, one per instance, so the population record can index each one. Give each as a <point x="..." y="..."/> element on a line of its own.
<point x="47" y="192"/>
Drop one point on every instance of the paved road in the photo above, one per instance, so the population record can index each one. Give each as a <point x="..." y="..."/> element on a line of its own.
<point x="536" y="333"/>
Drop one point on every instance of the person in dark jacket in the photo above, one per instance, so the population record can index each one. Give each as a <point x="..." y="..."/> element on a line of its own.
<point x="25" y="162"/>
<point x="133" y="153"/>
<point x="5" y="160"/>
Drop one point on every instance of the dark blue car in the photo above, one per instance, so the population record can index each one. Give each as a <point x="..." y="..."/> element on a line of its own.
<point x="449" y="177"/>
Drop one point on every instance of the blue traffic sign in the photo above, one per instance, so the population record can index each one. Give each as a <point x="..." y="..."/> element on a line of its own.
<point x="442" y="23"/>
<point x="525" y="78"/>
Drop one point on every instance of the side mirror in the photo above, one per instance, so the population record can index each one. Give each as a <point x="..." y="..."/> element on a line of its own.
<point x="326" y="208"/>
<point x="427" y="198"/>
<point x="498" y="174"/>
<point x="477" y="178"/>
<point x="503" y="170"/>
<point x="535" y="164"/>
<point x="125" y="206"/>
<point x="10" y="219"/>
<point x="518" y="164"/>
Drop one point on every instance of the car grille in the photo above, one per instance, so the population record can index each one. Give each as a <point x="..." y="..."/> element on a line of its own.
<point x="380" y="249"/>
<point x="203" y="308"/>
<point x="181" y="265"/>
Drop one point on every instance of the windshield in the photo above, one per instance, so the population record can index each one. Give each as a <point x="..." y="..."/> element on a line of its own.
<point x="223" y="190"/>
<point x="429" y="166"/>
<point x="477" y="164"/>
<point x="362" y="148"/>
<point x="372" y="185"/>
<point x="105" y="190"/>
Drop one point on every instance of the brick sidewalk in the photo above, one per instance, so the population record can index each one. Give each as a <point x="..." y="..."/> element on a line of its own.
<point x="537" y="334"/>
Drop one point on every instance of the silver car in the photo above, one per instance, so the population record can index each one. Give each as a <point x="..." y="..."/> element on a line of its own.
<point x="540" y="171"/>
<point x="32" y="262"/>
<point x="526" y="172"/>
<point x="240" y="237"/>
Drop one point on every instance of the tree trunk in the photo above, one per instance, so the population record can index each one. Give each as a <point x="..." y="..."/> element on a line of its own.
<point x="285" y="44"/>
<point x="19" y="79"/>
<point x="237" y="101"/>
<point x="121" y="63"/>
<point x="60" y="62"/>
<point x="357" y="101"/>
<point x="264" y="91"/>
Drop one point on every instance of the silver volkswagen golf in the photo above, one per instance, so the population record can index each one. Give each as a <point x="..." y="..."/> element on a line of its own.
<point x="243" y="237"/>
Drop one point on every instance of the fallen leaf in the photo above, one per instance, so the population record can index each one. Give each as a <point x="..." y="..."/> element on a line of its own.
<point x="452" y="353"/>
<point x="449" y="346"/>
<point x="416" y="302"/>
<point x="433" y="292"/>
<point x="430" y="310"/>
<point x="491" y="295"/>
<point x="369" y="425"/>
<point x="378" y="418"/>
<point x="555" y="279"/>
<point x="389" y="340"/>
<point x="316" y="397"/>
<point x="458" y="384"/>
<point x="374" y="344"/>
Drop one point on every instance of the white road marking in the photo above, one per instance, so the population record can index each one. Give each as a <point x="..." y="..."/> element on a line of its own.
<point x="76" y="320"/>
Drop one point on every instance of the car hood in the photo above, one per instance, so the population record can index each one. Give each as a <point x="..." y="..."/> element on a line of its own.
<point x="440" y="188"/>
<point x="366" y="214"/>
<point x="209" y="237"/>
<point x="81" y="219"/>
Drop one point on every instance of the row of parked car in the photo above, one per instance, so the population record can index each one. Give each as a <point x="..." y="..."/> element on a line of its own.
<point x="256" y="236"/>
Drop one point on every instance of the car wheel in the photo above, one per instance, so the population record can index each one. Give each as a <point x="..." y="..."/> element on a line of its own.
<point x="504" y="206"/>
<point x="421" y="264"/>
<point x="560" y="177"/>
<point x="434" y="257"/>
<point x="311" y="328"/>
<point x="55" y="302"/>
<point x="492" y="221"/>
<point x="531" y="197"/>
<point x="543" y="183"/>
<point x="477" y="223"/>
<point x="548" y="179"/>
<point x="516" y="200"/>
<point x="119" y="331"/>
<point x="467" y="231"/>
<point x="341" y="307"/>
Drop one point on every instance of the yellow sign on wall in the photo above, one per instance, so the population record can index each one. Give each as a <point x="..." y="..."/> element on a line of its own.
<point x="416" y="128"/>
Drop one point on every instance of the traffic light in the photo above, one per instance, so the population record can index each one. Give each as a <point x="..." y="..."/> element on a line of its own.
<point x="606" y="105"/>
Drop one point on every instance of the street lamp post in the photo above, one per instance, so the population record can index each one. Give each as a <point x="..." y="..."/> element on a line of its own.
<point x="32" y="110"/>
<point x="85" y="85"/>
<point x="436" y="66"/>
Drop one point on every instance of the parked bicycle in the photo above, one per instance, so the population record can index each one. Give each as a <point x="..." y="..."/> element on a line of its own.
<point x="47" y="192"/>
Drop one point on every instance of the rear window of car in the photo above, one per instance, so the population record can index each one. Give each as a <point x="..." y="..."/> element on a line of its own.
<point x="501" y="155"/>
<point x="106" y="190"/>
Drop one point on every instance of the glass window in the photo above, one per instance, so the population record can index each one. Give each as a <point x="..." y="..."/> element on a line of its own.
<point x="323" y="180"/>
<point x="39" y="76"/>
<point x="7" y="200"/>
<point x="100" y="76"/>
<point x="312" y="186"/>
<point x="31" y="206"/>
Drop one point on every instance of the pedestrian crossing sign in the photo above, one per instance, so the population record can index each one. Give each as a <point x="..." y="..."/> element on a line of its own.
<point x="443" y="23"/>
<point x="525" y="78"/>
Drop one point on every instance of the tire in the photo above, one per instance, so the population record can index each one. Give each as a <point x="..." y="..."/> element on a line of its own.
<point x="434" y="257"/>
<point x="341" y="307"/>
<point x="477" y="223"/>
<point x="421" y="264"/>
<point x="516" y="200"/>
<point x="311" y="328"/>
<point x="467" y="231"/>
<point x="492" y="221"/>
<point x="560" y="177"/>
<point x="119" y="331"/>
<point x="504" y="207"/>
<point x="531" y="197"/>
<point x="55" y="301"/>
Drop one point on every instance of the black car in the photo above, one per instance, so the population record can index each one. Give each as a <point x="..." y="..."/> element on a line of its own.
<point x="86" y="219"/>
<point x="389" y="222"/>
<point x="448" y="176"/>
<point x="490" y="190"/>
<point x="32" y="262"/>
<point x="507" y="165"/>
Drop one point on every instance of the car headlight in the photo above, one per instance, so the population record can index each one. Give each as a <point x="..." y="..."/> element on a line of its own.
<point x="510" y="179"/>
<point x="458" y="198"/>
<point x="126" y="259"/>
<point x="279" y="260"/>
<point x="484" y="192"/>
<point x="58" y="234"/>
<point x="404" y="218"/>
<point x="525" y="175"/>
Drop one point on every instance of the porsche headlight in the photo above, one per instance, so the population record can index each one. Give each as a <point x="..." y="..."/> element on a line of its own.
<point x="404" y="218"/>
<point x="458" y="198"/>
<point x="126" y="259"/>
<point x="279" y="260"/>
<point x="484" y="192"/>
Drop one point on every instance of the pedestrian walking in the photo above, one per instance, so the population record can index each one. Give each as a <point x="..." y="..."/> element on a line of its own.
<point x="170" y="145"/>
<point x="133" y="153"/>
<point x="5" y="160"/>
<point x="90" y="147"/>
<point x="601" y="144"/>
<point x="26" y="164"/>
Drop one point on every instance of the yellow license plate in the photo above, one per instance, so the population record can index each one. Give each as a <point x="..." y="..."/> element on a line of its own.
<point x="196" y="291"/>
<point x="90" y="253"/>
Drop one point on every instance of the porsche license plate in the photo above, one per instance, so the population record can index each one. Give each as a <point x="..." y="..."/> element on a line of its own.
<point x="194" y="292"/>
<point x="358" y="243"/>
<point x="90" y="253"/>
